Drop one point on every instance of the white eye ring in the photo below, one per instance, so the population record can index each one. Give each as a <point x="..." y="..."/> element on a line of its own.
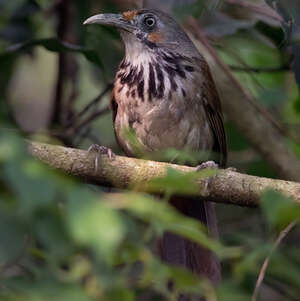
<point x="150" y="21"/>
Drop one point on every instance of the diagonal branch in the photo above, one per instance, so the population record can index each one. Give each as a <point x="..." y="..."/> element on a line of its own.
<point x="260" y="69"/>
<point x="90" y="105"/>
<point x="122" y="172"/>
<point x="258" y="126"/>
<point x="262" y="273"/>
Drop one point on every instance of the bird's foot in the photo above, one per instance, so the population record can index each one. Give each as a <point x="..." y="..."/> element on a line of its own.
<point x="231" y="169"/>
<point x="210" y="165"/>
<point x="98" y="151"/>
<point x="207" y="164"/>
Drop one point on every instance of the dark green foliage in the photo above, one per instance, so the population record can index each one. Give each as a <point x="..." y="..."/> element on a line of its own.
<point x="62" y="239"/>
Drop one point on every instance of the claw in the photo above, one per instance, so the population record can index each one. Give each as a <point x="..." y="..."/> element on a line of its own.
<point x="208" y="164"/>
<point x="100" y="150"/>
<point x="204" y="165"/>
<point x="231" y="169"/>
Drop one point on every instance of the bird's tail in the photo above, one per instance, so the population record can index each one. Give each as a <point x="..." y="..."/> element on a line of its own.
<point x="176" y="250"/>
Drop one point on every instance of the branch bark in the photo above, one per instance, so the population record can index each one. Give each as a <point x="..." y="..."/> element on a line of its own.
<point x="122" y="172"/>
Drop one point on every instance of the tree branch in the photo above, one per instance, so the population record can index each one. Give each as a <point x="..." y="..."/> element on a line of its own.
<point x="257" y="125"/>
<point x="122" y="172"/>
<point x="259" y="69"/>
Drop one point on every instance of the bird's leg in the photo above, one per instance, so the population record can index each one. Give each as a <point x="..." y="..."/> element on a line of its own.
<point x="210" y="165"/>
<point x="207" y="164"/>
<point x="99" y="150"/>
<point x="231" y="169"/>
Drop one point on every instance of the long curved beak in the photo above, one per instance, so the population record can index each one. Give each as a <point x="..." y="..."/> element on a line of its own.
<point x="115" y="20"/>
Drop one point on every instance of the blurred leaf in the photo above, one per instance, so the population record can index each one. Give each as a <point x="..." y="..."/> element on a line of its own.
<point x="231" y="291"/>
<point x="290" y="274"/>
<point x="50" y="231"/>
<point x="46" y="290"/>
<point x="32" y="187"/>
<point x="279" y="210"/>
<point x="164" y="217"/>
<point x="183" y="280"/>
<point x="296" y="64"/>
<point x="251" y="263"/>
<point x="297" y="105"/>
<point x="121" y="294"/>
<point x="16" y="22"/>
<point x="92" y="223"/>
<point x="176" y="182"/>
<point x="181" y="157"/>
<point x="12" y="239"/>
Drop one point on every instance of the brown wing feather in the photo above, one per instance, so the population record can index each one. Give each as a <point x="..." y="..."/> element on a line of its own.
<point x="114" y="108"/>
<point x="213" y="110"/>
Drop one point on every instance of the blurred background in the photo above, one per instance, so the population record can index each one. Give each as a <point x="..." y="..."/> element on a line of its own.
<point x="63" y="239"/>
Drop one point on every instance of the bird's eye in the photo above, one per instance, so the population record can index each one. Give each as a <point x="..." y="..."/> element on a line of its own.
<point x="150" y="22"/>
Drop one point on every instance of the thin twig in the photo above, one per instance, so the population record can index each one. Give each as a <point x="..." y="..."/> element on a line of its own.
<point x="95" y="101"/>
<point x="91" y="118"/>
<point x="81" y="136"/>
<point x="259" y="69"/>
<point x="262" y="272"/>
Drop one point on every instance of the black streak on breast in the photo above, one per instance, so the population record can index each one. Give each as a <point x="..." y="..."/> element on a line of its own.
<point x="152" y="84"/>
<point x="160" y="77"/>
<point x="114" y="108"/>
<point x="141" y="89"/>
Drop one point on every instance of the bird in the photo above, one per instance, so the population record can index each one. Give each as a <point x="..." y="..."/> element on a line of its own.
<point x="165" y="94"/>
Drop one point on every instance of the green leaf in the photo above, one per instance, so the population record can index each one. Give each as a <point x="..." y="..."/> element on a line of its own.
<point x="94" y="225"/>
<point x="121" y="294"/>
<point x="296" y="105"/>
<point x="228" y="290"/>
<point x="50" y="230"/>
<point x="32" y="184"/>
<point x="164" y="217"/>
<point x="43" y="289"/>
<point x="12" y="239"/>
<point x="278" y="209"/>
<point x="176" y="182"/>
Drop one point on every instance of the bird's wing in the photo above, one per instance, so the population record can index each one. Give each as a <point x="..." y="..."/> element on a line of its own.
<point x="212" y="105"/>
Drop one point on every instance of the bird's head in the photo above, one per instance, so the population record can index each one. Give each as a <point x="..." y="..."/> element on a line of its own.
<point x="146" y="29"/>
